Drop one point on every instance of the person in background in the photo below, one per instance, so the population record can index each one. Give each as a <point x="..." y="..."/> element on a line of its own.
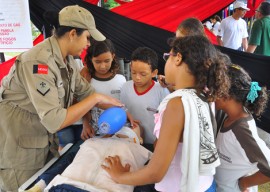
<point x="208" y="25"/>
<point x="188" y="27"/>
<point x="245" y="158"/>
<point x="142" y="95"/>
<point x="232" y="32"/>
<point x="259" y="41"/>
<point x="36" y="96"/>
<point x="103" y="69"/>
<point x="216" y="23"/>
<point x="185" y="156"/>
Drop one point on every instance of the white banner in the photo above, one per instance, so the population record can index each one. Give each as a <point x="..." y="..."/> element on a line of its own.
<point x="15" y="26"/>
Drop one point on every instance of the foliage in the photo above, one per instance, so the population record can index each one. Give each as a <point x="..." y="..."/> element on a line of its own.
<point x="35" y="31"/>
<point x="110" y="4"/>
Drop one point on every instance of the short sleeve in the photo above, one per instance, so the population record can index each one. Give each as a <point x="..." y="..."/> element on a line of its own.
<point x="245" y="33"/>
<point x="256" y="33"/>
<point x="254" y="147"/>
<point x="221" y="29"/>
<point x="123" y="95"/>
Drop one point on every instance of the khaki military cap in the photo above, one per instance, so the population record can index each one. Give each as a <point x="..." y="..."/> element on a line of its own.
<point x="79" y="17"/>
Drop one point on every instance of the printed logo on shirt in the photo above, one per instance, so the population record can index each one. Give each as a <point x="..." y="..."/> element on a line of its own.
<point x="224" y="157"/>
<point x="42" y="88"/>
<point x="104" y="128"/>
<point x="40" y="69"/>
<point x="115" y="91"/>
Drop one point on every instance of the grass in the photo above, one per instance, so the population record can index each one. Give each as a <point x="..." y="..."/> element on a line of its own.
<point x="9" y="55"/>
<point x="265" y="187"/>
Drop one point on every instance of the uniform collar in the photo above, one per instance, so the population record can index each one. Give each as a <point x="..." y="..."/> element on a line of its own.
<point x="57" y="52"/>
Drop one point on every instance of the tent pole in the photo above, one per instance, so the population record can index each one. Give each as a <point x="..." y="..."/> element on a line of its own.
<point x="2" y="58"/>
<point x="101" y="3"/>
<point x="251" y="19"/>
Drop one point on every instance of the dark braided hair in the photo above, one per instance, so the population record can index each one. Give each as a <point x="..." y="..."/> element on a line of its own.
<point x="240" y="88"/>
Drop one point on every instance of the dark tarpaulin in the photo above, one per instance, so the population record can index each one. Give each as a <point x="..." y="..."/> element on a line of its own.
<point x="258" y="67"/>
<point x="129" y="34"/>
<point x="125" y="33"/>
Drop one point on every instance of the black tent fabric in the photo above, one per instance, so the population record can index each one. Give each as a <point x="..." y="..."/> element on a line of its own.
<point x="126" y="34"/>
<point x="129" y="34"/>
<point x="258" y="67"/>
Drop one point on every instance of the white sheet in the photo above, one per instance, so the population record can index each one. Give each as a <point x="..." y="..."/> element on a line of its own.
<point x="85" y="171"/>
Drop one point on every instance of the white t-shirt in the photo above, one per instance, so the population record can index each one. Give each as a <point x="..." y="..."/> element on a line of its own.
<point x="79" y="63"/>
<point x="216" y="27"/>
<point x="111" y="87"/>
<point x="232" y="32"/>
<point x="142" y="106"/>
<point x="242" y="152"/>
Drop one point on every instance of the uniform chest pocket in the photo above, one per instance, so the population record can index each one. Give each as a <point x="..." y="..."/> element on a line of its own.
<point x="61" y="92"/>
<point x="72" y="85"/>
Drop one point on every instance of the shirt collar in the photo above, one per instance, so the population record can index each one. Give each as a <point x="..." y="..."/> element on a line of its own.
<point x="57" y="53"/>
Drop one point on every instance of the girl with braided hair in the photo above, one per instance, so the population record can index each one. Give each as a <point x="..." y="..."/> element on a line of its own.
<point x="245" y="158"/>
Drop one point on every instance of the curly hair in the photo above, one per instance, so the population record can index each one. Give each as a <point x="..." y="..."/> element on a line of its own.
<point x="97" y="48"/>
<point x="240" y="88"/>
<point x="208" y="65"/>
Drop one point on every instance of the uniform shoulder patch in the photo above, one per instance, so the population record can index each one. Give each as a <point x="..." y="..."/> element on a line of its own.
<point x="40" y="69"/>
<point x="42" y="88"/>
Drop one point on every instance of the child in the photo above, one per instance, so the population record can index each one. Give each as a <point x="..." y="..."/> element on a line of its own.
<point x="185" y="155"/>
<point x="103" y="69"/>
<point x="142" y="96"/>
<point x="188" y="27"/>
<point x="215" y="20"/>
<point x="245" y="158"/>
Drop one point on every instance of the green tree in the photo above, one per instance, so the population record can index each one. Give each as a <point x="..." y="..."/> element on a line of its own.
<point x="110" y="4"/>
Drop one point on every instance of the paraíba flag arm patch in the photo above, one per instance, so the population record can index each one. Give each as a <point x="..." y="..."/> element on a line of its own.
<point x="42" y="88"/>
<point x="40" y="69"/>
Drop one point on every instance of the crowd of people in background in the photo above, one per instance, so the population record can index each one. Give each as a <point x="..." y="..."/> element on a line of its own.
<point x="232" y="31"/>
